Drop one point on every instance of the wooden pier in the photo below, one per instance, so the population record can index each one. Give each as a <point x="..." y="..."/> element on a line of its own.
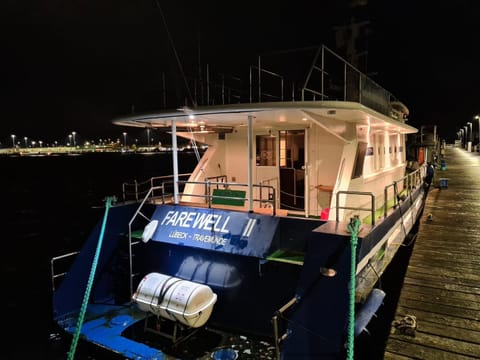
<point x="438" y="312"/>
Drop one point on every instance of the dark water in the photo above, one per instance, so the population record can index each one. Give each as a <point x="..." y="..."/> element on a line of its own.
<point x="50" y="204"/>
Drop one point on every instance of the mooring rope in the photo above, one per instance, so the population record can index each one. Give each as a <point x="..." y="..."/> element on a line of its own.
<point x="86" y="296"/>
<point x="353" y="228"/>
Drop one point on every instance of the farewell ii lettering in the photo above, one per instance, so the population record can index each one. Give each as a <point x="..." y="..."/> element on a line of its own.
<point x="194" y="220"/>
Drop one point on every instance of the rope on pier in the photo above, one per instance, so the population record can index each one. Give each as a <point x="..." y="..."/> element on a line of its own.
<point x="406" y="326"/>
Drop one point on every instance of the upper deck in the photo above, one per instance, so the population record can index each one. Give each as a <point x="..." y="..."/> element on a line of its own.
<point x="295" y="78"/>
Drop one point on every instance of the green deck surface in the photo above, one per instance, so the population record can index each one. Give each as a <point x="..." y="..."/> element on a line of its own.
<point x="288" y="256"/>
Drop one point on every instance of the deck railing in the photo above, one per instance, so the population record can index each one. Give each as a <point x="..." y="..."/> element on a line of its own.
<point x="410" y="182"/>
<point x="320" y="74"/>
<point x="279" y="314"/>
<point x="57" y="274"/>
<point x="209" y="198"/>
<point x="138" y="190"/>
<point x="370" y="208"/>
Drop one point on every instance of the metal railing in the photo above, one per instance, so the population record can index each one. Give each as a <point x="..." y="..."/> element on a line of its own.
<point x="276" y="331"/>
<point x="410" y="182"/>
<point x="208" y="195"/>
<point x="371" y="209"/>
<point x="53" y="261"/>
<point x="137" y="190"/>
<point x="321" y="74"/>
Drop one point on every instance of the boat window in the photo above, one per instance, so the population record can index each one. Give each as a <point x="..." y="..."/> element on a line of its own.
<point x="266" y="145"/>
<point x="359" y="160"/>
<point x="292" y="149"/>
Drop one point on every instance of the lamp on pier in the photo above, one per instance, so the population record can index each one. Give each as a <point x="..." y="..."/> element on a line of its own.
<point x="477" y="117"/>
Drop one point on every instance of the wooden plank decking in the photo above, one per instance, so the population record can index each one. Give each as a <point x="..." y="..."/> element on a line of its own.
<point x="442" y="284"/>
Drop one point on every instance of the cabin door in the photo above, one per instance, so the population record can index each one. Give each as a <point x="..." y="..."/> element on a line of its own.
<point x="292" y="169"/>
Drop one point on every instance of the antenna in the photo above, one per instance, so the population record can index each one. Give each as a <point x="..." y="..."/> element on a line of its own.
<point x="176" y="55"/>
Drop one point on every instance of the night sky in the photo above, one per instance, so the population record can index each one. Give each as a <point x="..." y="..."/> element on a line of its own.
<point x="73" y="66"/>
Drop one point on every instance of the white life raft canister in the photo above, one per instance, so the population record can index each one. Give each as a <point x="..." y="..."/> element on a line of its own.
<point x="175" y="299"/>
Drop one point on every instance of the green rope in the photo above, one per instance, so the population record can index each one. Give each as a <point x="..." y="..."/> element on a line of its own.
<point x="353" y="228"/>
<point x="83" y="309"/>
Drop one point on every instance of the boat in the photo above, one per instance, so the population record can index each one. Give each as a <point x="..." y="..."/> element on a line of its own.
<point x="273" y="246"/>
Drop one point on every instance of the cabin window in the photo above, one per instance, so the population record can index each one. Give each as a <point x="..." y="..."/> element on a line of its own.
<point x="291" y="148"/>
<point x="266" y="145"/>
<point x="359" y="160"/>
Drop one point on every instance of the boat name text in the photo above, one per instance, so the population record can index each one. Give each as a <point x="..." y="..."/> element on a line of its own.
<point x="194" y="220"/>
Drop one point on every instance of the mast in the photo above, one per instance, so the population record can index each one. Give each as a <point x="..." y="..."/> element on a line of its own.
<point x="250" y="163"/>
<point x="175" y="161"/>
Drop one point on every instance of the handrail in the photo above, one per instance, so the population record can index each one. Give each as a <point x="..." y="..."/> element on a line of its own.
<point x="322" y="78"/>
<point x="217" y="178"/>
<point x="385" y="197"/>
<point x="138" y="212"/>
<point x="208" y="197"/>
<point x="278" y="313"/>
<point x="141" y="188"/>
<point x="412" y="179"/>
<point x="356" y="90"/>
<point x="52" y="267"/>
<point x="360" y="193"/>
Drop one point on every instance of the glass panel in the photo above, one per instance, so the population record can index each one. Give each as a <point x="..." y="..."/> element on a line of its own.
<point x="359" y="160"/>
<point x="266" y="145"/>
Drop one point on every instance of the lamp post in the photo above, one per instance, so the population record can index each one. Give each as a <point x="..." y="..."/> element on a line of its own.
<point x="13" y="140"/>
<point x="73" y="134"/>
<point x="26" y="144"/>
<point x="69" y="139"/>
<point x="469" y="137"/>
<point x="125" y="139"/>
<point x="148" y="136"/>
<point x="477" y="117"/>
